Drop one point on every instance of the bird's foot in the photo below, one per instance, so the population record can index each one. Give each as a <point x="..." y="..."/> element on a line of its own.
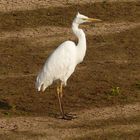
<point x="68" y="117"/>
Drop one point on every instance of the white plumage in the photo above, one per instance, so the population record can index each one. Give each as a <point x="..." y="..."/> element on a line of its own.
<point x="62" y="62"/>
<point x="60" y="65"/>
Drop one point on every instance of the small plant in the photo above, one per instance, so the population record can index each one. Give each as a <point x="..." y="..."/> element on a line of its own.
<point x="115" y="91"/>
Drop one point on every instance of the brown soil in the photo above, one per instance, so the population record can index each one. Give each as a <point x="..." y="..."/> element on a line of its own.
<point x="112" y="60"/>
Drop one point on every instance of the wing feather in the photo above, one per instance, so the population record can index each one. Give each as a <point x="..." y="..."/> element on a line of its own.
<point x="57" y="65"/>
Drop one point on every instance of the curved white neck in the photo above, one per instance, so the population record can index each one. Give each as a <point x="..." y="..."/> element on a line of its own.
<point x="81" y="46"/>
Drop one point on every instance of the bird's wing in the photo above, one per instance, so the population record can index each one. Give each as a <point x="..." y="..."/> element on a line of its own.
<point x="58" y="64"/>
<point x="63" y="57"/>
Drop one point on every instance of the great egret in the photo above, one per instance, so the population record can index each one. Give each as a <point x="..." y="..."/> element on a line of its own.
<point x="62" y="62"/>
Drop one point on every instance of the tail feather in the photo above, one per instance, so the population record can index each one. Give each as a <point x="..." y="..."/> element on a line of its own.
<point x="38" y="83"/>
<point x="42" y="82"/>
<point x="45" y="85"/>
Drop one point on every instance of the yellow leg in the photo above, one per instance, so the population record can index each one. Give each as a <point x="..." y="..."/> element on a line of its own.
<point x="60" y="102"/>
<point x="60" y="95"/>
<point x="61" y="89"/>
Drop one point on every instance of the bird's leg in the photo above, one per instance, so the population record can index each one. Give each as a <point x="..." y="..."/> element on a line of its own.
<point x="61" y="90"/>
<point x="64" y="116"/>
<point x="60" y="95"/>
<point x="60" y="103"/>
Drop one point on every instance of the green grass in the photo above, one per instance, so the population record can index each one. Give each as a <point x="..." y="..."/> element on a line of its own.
<point x="115" y="91"/>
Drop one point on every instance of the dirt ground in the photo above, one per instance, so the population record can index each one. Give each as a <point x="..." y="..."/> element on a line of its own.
<point x="104" y="91"/>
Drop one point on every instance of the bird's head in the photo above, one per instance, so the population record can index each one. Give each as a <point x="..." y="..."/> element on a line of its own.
<point x="79" y="19"/>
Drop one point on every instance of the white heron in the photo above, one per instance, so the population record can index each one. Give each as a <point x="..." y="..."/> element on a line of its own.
<point x="62" y="62"/>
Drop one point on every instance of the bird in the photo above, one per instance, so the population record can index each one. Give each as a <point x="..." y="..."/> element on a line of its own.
<point x="62" y="62"/>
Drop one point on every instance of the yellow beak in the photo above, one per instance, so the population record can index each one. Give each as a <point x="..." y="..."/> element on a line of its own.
<point x="93" y="20"/>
